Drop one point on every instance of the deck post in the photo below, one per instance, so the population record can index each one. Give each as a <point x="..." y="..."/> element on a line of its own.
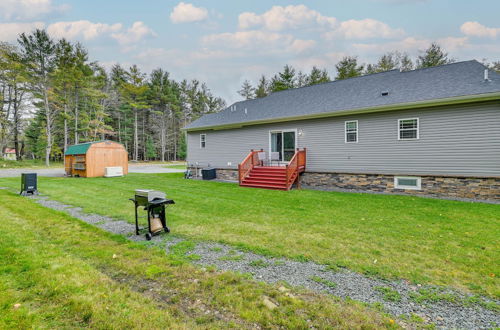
<point x="287" y="177"/>
<point x="239" y="173"/>
<point x="305" y="159"/>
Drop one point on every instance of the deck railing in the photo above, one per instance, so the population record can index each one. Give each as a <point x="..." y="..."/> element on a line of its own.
<point x="296" y="166"/>
<point x="248" y="163"/>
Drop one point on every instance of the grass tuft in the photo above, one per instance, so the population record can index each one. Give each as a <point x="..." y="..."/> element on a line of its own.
<point x="327" y="283"/>
<point x="388" y="294"/>
<point x="232" y="257"/>
<point x="259" y="263"/>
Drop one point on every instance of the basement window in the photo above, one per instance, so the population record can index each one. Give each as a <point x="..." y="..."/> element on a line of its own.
<point x="203" y="141"/>
<point x="351" y="131"/>
<point x="408" y="129"/>
<point x="408" y="182"/>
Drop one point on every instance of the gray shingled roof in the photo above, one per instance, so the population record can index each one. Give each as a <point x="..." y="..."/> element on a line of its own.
<point x="441" y="82"/>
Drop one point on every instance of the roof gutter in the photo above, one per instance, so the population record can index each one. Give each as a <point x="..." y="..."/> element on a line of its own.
<point x="391" y="107"/>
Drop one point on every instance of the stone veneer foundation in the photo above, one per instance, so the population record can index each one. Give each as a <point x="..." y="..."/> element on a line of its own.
<point x="446" y="187"/>
<point x="487" y="189"/>
<point x="227" y="175"/>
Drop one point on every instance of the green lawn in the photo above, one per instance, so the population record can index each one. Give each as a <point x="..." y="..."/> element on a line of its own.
<point x="29" y="163"/>
<point x="177" y="166"/>
<point x="423" y="240"/>
<point x="57" y="272"/>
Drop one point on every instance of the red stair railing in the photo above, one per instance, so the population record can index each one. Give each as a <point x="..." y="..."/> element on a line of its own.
<point x="248" y="164"/>
<point x="296" y="166"/>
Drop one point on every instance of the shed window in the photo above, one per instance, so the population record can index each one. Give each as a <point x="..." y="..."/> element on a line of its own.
<point x="408" y="129"/>
<point x="203" y="140"/>
<point x="408" y="182"/>
<point x="351" y="131"/>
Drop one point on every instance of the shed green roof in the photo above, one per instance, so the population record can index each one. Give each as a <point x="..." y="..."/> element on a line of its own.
<point x="79" y="149"/>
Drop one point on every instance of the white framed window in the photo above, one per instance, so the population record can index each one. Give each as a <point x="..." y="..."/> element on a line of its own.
<point x="351" y="131"/>
<point x="203" y="141"/>
<point x="408" y="129"/>
<point x="408" y="182"/>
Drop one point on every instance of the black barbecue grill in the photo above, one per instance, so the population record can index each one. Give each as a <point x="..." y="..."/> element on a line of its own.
<point x="154" y="203"/>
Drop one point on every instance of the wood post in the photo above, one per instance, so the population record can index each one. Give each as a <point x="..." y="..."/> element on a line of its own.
<point x="239" y="173"/>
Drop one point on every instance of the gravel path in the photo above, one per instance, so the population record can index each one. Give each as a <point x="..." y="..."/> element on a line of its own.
<point x="396" y="297"/>
<point x="59" y="172"/>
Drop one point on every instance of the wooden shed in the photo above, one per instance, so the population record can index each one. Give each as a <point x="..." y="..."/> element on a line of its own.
<point x="90" y="159"/>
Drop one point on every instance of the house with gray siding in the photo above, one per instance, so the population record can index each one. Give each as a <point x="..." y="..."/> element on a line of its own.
<point x="433" y="131"/>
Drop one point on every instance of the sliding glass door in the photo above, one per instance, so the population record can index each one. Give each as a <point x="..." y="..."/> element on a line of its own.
<point x="283" y="142"/>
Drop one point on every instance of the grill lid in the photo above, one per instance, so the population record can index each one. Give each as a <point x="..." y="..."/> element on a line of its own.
<point x="149" y="194"/>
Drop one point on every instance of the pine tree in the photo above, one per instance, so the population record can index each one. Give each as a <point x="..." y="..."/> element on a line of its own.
<point x="150" y="149"/>
<point x="317" y="76"/>
<point x="387" y="62"/>
<point x="164" y="96"/>
<point x="405" y="62"/>
<point x="433" y="56"/>
<point x="38" y="49"/>
<point x="301" y="80"/>
<point x="63" y="81"/>
<point x="391" y="61"/>
<point x="348" y="67"/>
<point x="182" y="150"/>
<point x="247" y="91"/>
<point x="262" y="87"/>
<point x="371" y="68"/>
<point x="495" y="66"/>
<point x="14" y="87"/>
<point x="284" y="80"/>
<point x="134" y="92"/>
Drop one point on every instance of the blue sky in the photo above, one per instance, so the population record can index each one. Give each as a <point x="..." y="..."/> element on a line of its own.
<point x="224" y="42"/>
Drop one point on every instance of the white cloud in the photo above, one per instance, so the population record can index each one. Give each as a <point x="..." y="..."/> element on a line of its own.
<point x="187" y="13"/>
<point x="364" y="29"/>
<point x="149" y="55"/>
<point x="258" y="41"/>
<point x="247" y="39"/>
<point x="208" y="54"/>
<point x="135" y="33"/>
<point x="326" y="60"/>
<point x="10" y="31"/>
<point x="300" y="46"/>
<point x="280" y="18"/>
<point x="453" y="43"/>
<point x="28" y="9"/>
<point x="412" y="45"/>
<point x="82" y="29"/>
<point x="475" y="29"/>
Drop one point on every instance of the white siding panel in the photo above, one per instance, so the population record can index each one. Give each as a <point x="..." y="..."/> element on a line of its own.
<point x="453" y="141"/>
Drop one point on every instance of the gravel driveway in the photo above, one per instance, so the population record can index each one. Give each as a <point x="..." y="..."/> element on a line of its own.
<point x="55" y="172"/>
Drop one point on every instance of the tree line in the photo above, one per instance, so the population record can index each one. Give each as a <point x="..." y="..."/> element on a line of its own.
<point x="348" y="67"/>
<point x="52" y="95"/>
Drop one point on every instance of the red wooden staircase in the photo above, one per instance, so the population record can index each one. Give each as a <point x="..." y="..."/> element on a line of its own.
<point x="253" y="174"/>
